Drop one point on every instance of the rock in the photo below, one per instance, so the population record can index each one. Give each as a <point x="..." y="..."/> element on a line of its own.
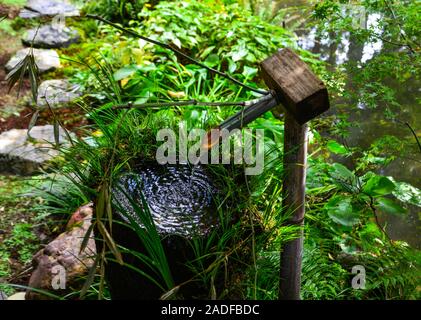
<point x="46" y="59"/>
<point x="40" y="8"/>
<point x="58" y="93"/>
<point x="60" y="266"/>
<point x="17" y="296"/>
<point x="8" y="11"/>
<point x="50" y="36"/>
<point x="22" y="155"/>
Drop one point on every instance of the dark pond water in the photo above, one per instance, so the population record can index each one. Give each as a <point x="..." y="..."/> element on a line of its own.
<point x="371" y="124"/>
<point x="179" y="197"/>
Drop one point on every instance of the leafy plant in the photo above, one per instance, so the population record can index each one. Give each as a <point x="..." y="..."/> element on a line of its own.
<point x="147" y="233"/>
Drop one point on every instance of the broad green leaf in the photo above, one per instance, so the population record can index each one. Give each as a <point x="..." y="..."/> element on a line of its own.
<point x="343" y="172"/>
<point x="336" y="147"/>
<point x="141" y="100"/>
<point x="239" y="53"/>
<point x="262" y="41"/>
<point x="147" y="67"/>
<point x="231" y="66"/>
<point x="206" y="52"/>
<point x="177" y="42"/>
<point x="407" y="193"/>
<point x="125" y="72"/>
<point x="212" y="60"/>
<point x="376" y="160"/>
<point x="249" y="72"/>
<point x="340" y="210"/>
<point x="378" y="186"/>
<point x="251" y="58"/>
<point x="389" y="206"/>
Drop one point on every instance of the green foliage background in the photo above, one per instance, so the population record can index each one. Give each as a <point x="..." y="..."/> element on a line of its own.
<point x="343" y="203"/>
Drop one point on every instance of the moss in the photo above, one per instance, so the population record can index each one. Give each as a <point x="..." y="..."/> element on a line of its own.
<point x="18" y="242"/>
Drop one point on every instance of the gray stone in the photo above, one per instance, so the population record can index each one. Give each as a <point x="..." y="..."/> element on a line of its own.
<point x="51" y="36"/>
<point x="58" y="93"/>
<point x="17" y="296"/>
<point x="62" y="257"/>
<point x="20" y="154"/>
<point x="46" y="59"/>
<point x="40" y="8"/>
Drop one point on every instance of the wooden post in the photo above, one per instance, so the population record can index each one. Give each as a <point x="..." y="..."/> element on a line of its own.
<point x="304" y="97"/>
<point x="295" y="161"/>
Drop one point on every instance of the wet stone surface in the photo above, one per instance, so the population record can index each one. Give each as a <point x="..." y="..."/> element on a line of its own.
<point x="50" y="36"/>
<point x="58" y="93"/>
<point x="23" y="155"/>
<point x="46" y="59"/>
<point x="40" y="8"/>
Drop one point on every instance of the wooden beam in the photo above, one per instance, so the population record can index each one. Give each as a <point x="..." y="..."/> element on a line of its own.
<point x="297" y="88"/>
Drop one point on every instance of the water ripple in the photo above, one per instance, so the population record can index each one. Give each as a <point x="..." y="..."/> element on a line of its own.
<point x="179" y="198"/>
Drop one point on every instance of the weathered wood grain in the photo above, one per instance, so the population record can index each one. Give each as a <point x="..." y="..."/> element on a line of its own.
<point x="297" y="88"/>
<point x="294" y="182"/>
